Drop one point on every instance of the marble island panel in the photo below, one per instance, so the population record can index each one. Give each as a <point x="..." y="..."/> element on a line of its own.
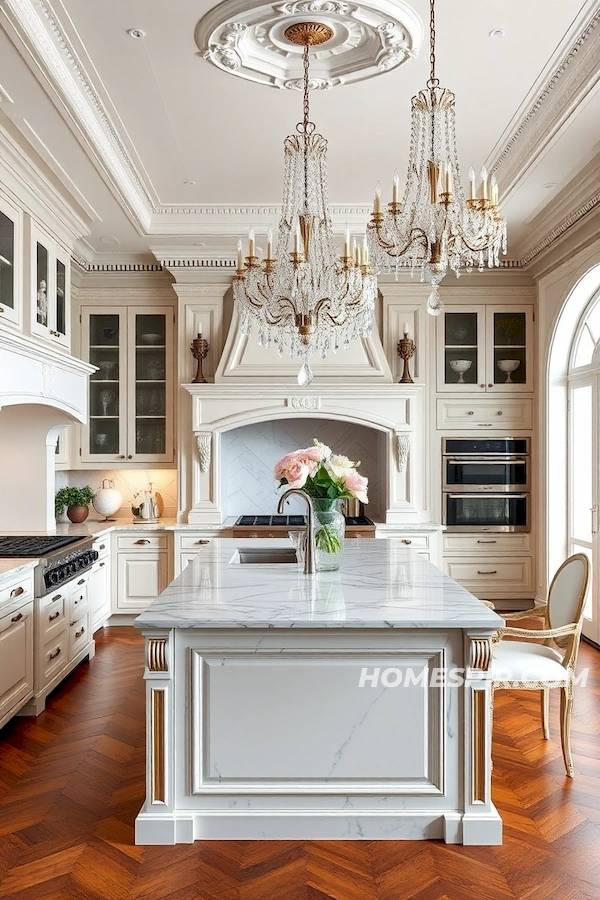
<point x="381" y="585"/>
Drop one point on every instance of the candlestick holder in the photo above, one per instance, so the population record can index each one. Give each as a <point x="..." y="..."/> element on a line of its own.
<point x="406" y="350"/>
<point x="199" y="348"/>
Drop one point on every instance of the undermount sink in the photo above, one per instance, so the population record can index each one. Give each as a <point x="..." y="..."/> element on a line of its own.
<point x="257" y="556"/>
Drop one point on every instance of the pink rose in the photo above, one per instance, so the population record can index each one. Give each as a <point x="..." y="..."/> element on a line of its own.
<point x="281" y="466"/>
<point x="357" y="484"/>
<point x="296" y="474"/>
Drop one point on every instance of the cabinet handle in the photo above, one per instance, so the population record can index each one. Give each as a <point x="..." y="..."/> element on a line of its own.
<point x="1" y="309"/>
<point x="101" y="564"/>
<point x="81" y="581"/>
<point x="55" y="654"/>
<point x="54" y="616"/>
<point x="470" y="413"/>
<point x="57" y="597"/>
<point x="78" y="599"/>
<point x="16" y="592"/>
<point x="492" y="572"/>
<point x="487" y="542"/>
<point x="79" y="633"/>
<point x="102" y="547"/>
<point x="203" y="542"/>
<point x="406" y="541"/>
<point x="16" y="618"/>
<point x="143" y="541"/>
<point x="485" y="424"/>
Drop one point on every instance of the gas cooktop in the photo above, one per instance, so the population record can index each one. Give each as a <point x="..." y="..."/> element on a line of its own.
<point x="287" y="521"/>
<point x="32" y="545"/>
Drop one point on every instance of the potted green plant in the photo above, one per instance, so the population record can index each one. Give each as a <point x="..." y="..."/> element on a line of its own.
<point x="75" y="500"/>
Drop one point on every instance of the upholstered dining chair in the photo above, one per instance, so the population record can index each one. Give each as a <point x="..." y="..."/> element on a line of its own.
<point x="523" y="665"/>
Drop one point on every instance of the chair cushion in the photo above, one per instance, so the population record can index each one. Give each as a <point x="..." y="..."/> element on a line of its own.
<point x="526" y="662"/>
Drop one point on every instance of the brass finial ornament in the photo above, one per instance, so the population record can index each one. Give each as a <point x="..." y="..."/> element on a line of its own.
<point x="308" y="33"/>
<point x="305" y="297"/>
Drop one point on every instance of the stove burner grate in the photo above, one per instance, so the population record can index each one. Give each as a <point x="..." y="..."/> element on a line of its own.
<point x="32" y="545"/>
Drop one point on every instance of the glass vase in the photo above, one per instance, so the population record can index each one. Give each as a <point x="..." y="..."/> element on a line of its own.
<point x="329" y="525"/>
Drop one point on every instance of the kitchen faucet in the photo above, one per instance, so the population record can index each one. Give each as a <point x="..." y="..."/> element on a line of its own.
<point x="309" y="538"/>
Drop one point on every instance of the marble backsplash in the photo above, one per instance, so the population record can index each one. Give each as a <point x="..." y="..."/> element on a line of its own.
<point x="250" y="454"/>
<point x="127" y="482"/>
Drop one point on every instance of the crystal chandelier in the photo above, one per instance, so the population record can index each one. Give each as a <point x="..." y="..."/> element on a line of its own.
<point x="435" y="227"/>
<point x="306" y="298"/>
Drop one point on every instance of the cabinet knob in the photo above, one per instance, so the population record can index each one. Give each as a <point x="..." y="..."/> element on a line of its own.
<point x="130" y="456"/>
<point x="122" y="456"/>
<point x="1" y="309"/>
<point x="499" y="413"/>
<point x="102" y="547"/>
<point x="490" y="385"/>
<point x="471" y="412"/>
<point x="16" y="592"/>
<point x="482" y="385"/>
<point x="406" y="541"/>
<point x="101" y="564"/>
<point x="143" y="541"/>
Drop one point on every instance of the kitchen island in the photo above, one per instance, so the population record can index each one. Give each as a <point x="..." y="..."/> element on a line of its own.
<point x="350" y="704"/>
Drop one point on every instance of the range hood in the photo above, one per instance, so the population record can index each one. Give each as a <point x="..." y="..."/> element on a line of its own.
<point x="41" y="391"/>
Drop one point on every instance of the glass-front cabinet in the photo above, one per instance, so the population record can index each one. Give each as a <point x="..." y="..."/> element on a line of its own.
<point x="10" y="263"/>
<point x="484" y="348"/>
<point x="50" y="289"/>
<point x="131" y="394"/>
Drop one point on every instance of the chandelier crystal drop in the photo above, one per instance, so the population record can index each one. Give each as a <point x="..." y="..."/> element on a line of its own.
<point x="435" y="227"/>
<point x="306" y="298"/>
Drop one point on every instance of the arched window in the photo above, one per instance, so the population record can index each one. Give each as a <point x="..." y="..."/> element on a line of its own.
<point x="585" y="349"/>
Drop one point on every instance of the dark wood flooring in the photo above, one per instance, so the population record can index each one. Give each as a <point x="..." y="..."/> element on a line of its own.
<point x="72" y="781"/>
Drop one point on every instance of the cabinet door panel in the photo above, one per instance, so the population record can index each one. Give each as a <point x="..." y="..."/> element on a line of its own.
<point x="150" y="386"/>
<point x="99" y="593"/>
<point x="11" y="263"/>
<point x="104" y="339"/>
<point x="461" y="349"/>
<point x="140" y="578"/>
<point x="16" y="659"/>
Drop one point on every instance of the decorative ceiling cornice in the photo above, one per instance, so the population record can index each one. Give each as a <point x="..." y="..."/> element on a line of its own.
<point x="572" y="79"/>
<point x="561" y="228"/>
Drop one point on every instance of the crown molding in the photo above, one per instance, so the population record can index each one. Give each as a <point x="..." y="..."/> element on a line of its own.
<point x="43" y="36"/>
<point x="547" y="112"/>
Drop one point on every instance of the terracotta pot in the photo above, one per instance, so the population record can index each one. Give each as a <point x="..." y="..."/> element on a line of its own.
<point x="78" y="514"/>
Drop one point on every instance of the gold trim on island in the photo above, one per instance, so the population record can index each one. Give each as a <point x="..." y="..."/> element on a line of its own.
<point x="157" y="655"/>
<point x="158" y="747"/>
<point x="478" y="767"/>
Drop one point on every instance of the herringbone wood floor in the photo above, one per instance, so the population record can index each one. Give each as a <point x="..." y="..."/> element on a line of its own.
<point x="72" y="781"/>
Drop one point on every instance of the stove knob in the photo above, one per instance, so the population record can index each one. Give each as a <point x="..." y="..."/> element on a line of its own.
<point x="53" y="577"/>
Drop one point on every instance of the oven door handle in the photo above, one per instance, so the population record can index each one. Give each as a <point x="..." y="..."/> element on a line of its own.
<point x="489" y="460"/>
<point x="481" y="495"/>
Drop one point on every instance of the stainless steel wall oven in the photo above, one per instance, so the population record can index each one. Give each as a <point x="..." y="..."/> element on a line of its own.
<point x="486" y="484"/>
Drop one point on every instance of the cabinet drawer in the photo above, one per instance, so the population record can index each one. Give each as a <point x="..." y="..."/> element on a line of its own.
<point x="54" y="656"/>
<point x="142" y="540"/>
<point x="53" y="613"/>
<point x="193" y="542"/>
<point x="102" y="547"/>
<point x="487" y="543"/>
<point x="78" y="603"/>
<point x="18" y="588"/>
<point x="495" y="574"/>
<point x="413" y="541"/>
<point x="79" y="634"/>
<point x="485" y="414"/>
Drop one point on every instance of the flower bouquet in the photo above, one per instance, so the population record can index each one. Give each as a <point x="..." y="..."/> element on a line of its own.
<point x="328" y="479"/>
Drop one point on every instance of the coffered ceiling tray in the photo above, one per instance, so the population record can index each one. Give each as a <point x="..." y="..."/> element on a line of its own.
<point x="248" y="40"/>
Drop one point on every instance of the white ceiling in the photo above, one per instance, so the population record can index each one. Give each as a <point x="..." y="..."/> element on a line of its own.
<point x="180" y="119"/>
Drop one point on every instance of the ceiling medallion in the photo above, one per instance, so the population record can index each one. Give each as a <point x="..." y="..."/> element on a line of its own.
<point x="305" y="297"/>
<point x="262" y="42"/>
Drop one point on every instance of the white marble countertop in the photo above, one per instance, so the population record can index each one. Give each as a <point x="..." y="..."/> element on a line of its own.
<point x="14" y="565"/>
<point x="380" y="585"/>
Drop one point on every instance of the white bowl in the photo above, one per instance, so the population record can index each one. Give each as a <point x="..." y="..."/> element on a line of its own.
<point x="151" y="339"/>
<point x="460" y="366"/>
<point x="509" y="365"/>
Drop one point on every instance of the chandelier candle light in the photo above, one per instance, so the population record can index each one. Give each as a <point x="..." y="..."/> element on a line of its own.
<point x="305" y="298"/>
<point x="435" y="227"/>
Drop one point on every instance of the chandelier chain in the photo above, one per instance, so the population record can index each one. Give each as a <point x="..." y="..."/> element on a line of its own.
<point x="432" y="79"/>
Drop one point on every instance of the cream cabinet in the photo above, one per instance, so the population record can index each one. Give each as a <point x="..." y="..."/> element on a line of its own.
<point x="11" y="263"/>
<point x="16" y="644"/>
<point x="99" y="585"/>
<point x="131" y="395"/>
<point x="50" y="289"/>
<point x="485" y="349"/>
<point x="188" y="545"/>
<point x="425" y="543"/>
<point x="492" y="565"/>
<point x="141" y="570"/>
<point x="481" y="413"/>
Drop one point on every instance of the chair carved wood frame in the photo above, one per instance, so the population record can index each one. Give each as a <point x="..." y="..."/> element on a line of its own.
<point x="561" y="638"/>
